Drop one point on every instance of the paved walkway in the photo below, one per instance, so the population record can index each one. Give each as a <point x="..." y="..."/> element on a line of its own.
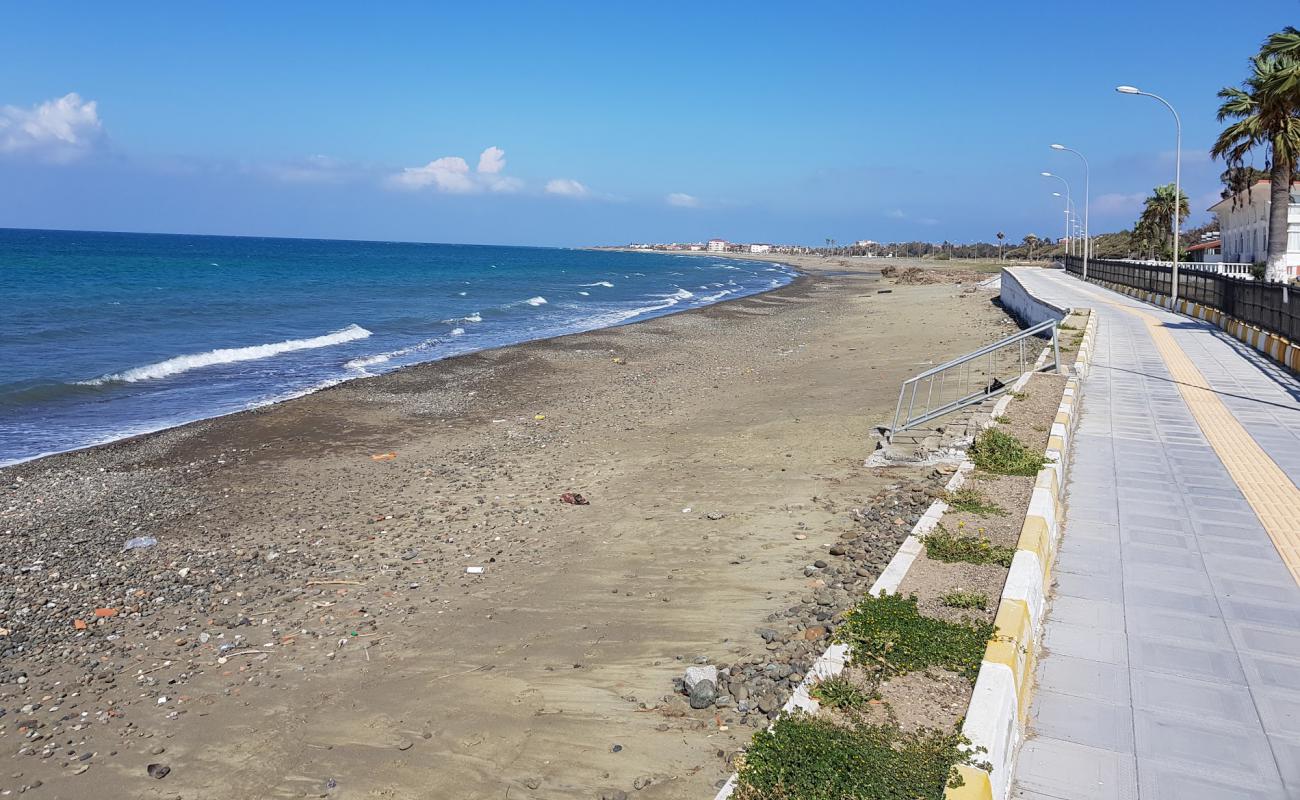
<point x="1173" y="641"/>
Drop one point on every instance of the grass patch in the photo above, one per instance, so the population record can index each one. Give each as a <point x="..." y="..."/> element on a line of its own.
<point x="1020" y="395"/>
<point x="805" y="758"/>
<point x="840" y="692"/>
<point x="970" y="501"/>
<point x="974" y="600"/>
<point x="888" y="636"/>
<point x="1001" y="453"/>
<point x="944" y="545"/>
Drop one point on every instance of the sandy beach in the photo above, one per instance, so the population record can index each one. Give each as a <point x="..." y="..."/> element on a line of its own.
<point x="375" y="591"/>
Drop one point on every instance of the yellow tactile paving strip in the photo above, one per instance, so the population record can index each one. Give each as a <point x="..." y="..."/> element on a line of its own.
<point x="1268" y="489"/>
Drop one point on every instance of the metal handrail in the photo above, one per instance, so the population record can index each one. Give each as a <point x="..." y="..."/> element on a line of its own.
<point x="989" y="386"/>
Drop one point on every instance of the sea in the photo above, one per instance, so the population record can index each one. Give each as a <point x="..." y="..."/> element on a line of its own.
<point x="110" y="335"/>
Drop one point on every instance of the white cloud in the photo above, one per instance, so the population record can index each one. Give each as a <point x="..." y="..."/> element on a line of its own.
<point x="896" y="214"/>
<point x="492" y="161"/>
<point x="451" y="174"/>
<point x="313" y="169"/>
<point x="682" y="200"/>
<point x="58" y="130"/>
<point x="566" y="187"/>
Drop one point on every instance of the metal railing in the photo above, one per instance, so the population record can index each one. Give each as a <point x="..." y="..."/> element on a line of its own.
<point x="972" y="378"/>
<point x="1264" y="304"/>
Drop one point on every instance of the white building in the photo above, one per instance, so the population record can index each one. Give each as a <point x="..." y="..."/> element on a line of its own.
<point x="1243" y="226"/>
<point x="760" y="248"/>
<point x="717" y="246"/>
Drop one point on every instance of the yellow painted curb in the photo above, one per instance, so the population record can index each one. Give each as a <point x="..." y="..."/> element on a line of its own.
<point x="975" y="785"/>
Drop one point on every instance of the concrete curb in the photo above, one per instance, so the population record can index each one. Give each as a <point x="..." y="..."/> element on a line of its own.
<point x="836" y="657"/>
<point x="1276" y="347"/>
<point x="999" y="705"/>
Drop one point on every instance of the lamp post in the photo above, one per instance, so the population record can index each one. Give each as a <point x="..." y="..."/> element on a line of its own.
<point x="1178" y="169"/>
<point x="1067" y="219"/>
<point x="1068" y="204"/>
<point x="1087" y="180"/>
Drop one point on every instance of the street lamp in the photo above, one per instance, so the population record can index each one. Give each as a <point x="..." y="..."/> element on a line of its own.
<point x="1178" y="169"/>
<point x="1068" y="204"/>
<point x="1087" y="180"/>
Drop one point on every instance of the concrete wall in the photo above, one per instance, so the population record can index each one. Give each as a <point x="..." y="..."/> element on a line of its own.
<point x="1023" y="305"/>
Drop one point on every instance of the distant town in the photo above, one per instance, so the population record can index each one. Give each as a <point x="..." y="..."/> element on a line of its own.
<point x="862" y="247"/>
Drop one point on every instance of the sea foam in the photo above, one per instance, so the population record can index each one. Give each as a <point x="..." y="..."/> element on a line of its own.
<point x="228" y="355"/>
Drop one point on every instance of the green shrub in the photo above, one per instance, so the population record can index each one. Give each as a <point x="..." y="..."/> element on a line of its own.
<point x="944" y="545"/>
<point x="966" y="600"/>
<point x="999" y="452"/>
<point x="840" y="692"/>
<point x="806" y="758"/>
<point x="969" y="500"/>
<point x="888" y="636"/>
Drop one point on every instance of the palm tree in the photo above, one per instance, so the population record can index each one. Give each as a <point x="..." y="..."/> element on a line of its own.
<point x="1265" y="113"/>
<point x="1154" y="229"/>
<point x="1029" y="241"/>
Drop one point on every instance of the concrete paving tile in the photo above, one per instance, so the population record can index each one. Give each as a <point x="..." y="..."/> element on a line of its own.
<point x="1176" y="695"/>
<point x="1089" y="588"/>
<point x="1265" y="640"/>
<point x="1185" y="658"/>
<point x="1082" y="677"/>
<point x="1152" y="623"/>
<point x="1264" y="671"/>
<point x="1081" y="611"/>
<point x="1279" y="710"/>
<point x="1170" y="782"/>
<point x="1072" y="771"/>
<point x="1202" y="745"/>
<point x="1258" y="612"/>
<point x="1085" y="642"/>
<point x="1083" y="720"/>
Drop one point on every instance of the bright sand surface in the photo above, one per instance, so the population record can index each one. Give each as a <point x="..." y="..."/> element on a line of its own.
<point x="715" y="436"/>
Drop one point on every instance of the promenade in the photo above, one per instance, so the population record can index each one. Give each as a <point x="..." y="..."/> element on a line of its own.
<point x="1172" y="647"/>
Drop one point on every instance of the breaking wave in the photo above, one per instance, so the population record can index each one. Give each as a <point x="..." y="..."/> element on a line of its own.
<point x="228" y="355"/>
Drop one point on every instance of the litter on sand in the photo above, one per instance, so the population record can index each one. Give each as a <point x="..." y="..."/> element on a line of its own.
<point x="574" y="499"/>
<point x="139" y="543"/>
<point x="383" y="457"/>
<point x="474" y="570"/>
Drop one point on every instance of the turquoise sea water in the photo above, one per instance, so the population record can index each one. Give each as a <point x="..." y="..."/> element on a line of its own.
<point x="106" y="335"/>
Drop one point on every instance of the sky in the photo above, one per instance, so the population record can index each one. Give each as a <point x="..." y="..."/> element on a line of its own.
<point x="575" y="123"/>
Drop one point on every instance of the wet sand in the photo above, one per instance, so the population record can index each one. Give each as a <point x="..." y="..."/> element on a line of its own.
<point x="378" y="667"/>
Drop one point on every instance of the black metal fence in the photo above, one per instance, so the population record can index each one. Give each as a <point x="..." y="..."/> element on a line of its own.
<point x="1267" y="306"/>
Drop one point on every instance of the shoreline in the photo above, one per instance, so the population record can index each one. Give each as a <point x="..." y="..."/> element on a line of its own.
<point x="164" y="428"/>
<point x="328" y="541"/>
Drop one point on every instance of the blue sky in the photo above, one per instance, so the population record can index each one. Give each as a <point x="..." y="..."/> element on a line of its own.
<point x="589" y="123"/>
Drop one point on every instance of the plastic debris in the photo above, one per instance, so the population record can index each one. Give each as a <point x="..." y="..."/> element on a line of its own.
<point x="383" y="457"/>
<point x="474" y="570"/>
<point x="574" y="499"/>
<point x="539" y="417"/>
<point x="139" y="543"/>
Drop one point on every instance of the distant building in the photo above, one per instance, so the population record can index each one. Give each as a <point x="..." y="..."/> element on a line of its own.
<point x="695" y="248"/>
<point x="760" y="248"/>
<point x="717" y="246"/>
<point x="1207" y="252"/>
<point x="1243" y="226"/>
<point x="863" y="243"/>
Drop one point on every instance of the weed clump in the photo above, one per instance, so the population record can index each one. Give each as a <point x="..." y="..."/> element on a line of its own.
<point x="840" y="692"/>
<point x="968" y="499"/>
<point x="1001" y="453"/>
<point x="806" y="758"/>
<point x="944" y="545"/>
<point x="975" y="600"/>
<point x="888" y="636"/>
